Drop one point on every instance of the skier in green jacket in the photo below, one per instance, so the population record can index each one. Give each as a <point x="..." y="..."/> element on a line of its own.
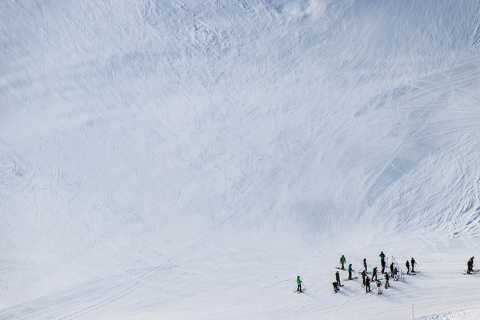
<point x="299" y="284"/>
<point x="342" y="261"/>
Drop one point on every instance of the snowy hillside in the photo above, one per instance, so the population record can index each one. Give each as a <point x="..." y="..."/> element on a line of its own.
<point x="188" y="159"/>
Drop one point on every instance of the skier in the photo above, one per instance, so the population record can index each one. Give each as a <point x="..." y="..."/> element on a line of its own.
<point x="350" y="272"/>
<point x="337" y="277"/>
<point x="382" y="261"/>
<point x="342" y="261"/>
<point x="335" y="287"/>
<point x="367" y="285"/>
<point x="413" y="263"/>
<point x="407" y="264"/>
<point x="379" y="284"/>
<point x="365" y="265"/>
<point x="386" y="280"/>
<point x="391" y="268"/>
<point x="374" y="274"/>
<point x="395" y="274"/>
<point x="364" y="274"/>
<point x="470" y="265"/>
<point x="299" y="284"/>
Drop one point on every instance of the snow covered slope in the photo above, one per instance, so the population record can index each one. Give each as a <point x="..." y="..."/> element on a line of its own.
<point x="188" y="159"/>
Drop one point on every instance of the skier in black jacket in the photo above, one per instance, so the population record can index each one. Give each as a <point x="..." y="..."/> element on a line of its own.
<point x="413" y="263"/>
<point x="367" y="285"/>
<point x="337" y="277"/>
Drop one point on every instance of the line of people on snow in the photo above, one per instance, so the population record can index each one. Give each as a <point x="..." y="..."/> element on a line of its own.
<point x="394" y="273"/>
<point x="366" y="279"/>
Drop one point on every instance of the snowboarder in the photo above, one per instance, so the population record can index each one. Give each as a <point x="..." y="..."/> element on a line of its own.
<point x="367" y="285"/>
<point x="374" y="273"/>
<point x="382" y="261"/>
<point x="335" y="286"/>
<point x="391" y="269"/>
<point x="350" y="272"/>
<point x="413" y="263"/>
<point x="379" y="285"/>
<point x="407" y="264"/>
<point x="386" y="280"/>
<point x="365" y="265"/>
<point x="342" y="261"/>
<point x="337" y="277"/>
<point x="364" y="274"/>
<point x="299" y="284"/>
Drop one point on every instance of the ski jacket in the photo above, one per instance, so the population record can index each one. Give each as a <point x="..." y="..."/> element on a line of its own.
<point x="342" y="259"/>
<point x="349" y="269"/>
<point x="382" y="256"/>
<point x="299" y="282"/>
<point x="374" y="270"/>
<point x="407" y="264"/>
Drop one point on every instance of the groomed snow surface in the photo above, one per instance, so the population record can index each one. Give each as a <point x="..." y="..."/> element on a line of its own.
<point x="188" y="159"/>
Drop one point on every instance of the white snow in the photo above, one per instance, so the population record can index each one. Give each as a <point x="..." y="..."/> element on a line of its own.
<point x="188" y="159"/>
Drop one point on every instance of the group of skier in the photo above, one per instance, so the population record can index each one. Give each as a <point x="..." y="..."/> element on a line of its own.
<point x="366" y="280"/>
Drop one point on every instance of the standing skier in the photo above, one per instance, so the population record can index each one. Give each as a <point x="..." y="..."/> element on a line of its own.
<point x="382" y="261"/>
<point x="367" y="285"/>
<point x="386" y="280"/>
<point x="407" y="264"/>
<point x="365" y="265"/>
<point x="350" y="272"/>
<point x="470" y="265"/>
<point x="364" y="274"/>
<point x="391" y="268"/>
<point x="374" y="274"/>
<point x="395" y="274"/>
<point x="299" y="284"/>
<point x="413" y="263"/>
<point x="337" y="277"/>
<point x="342" y="261"/>
<point x="379" y="284"/>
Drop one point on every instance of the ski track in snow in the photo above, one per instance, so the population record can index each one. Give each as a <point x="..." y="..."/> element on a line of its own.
<point x="163" y="160"/>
